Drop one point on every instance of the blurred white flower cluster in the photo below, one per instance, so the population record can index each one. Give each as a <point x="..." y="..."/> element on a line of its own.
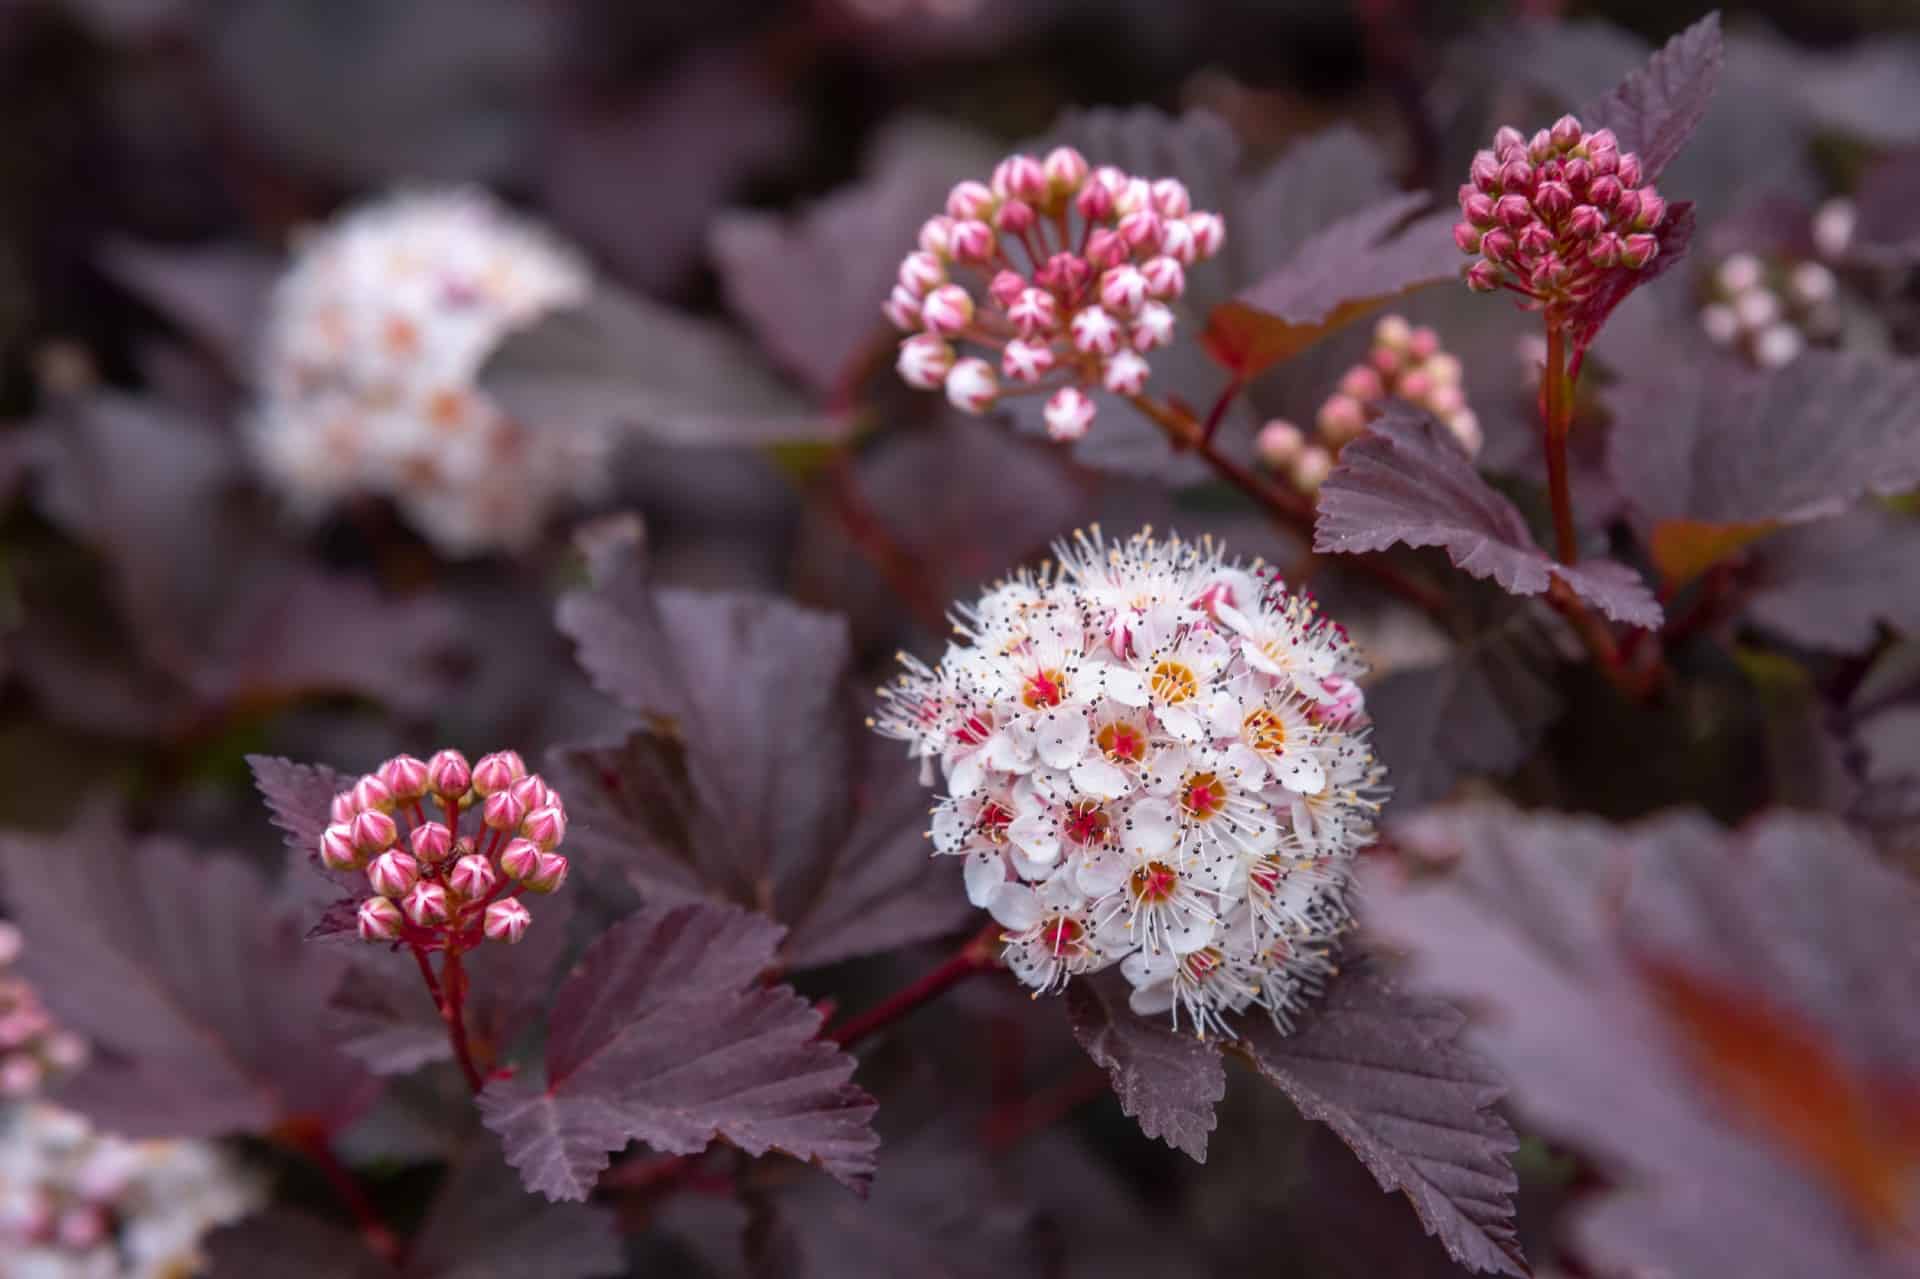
<point x="1770" y="310"/>
<point x="78" y="1204"/>
<point x="1154" y="757"/>
<point x="375" y="339"/>
<point x="32" y="1046"/>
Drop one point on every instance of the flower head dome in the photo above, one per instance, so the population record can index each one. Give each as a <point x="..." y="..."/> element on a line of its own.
<point x="1153" y="757"/>
<point x="376" y="337"/>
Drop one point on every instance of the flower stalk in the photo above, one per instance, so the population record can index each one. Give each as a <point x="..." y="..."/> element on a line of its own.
<point x="979" y="955"/>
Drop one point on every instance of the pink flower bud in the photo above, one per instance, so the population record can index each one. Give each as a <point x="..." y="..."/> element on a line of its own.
<point x="546" y="827"/>
<point x="1577" y="173"/>
<point x="1278" y="444"/>
<point x="548" y="875"/>
<point x="1540" y="146"/>
<point x="1016" y="217"/>
<point x="20" y="1075"/>
<point x="1177" y="242"/>
<point x="1414" y="386"/>
<point x="1209" y="233"/>
<point x="373" y="832"/>
<point x="1629" y="170"/>
<point x="1628" y="207"/>
<point x="1106" y="248"/>
<point x="1423" y="343"/>
<point x="1166" y="278"/>
<point x="971" y="242"/>
<point x="506" y="921"/>
<point x="1065" y="273"/>
<point x="498" y="771"/>
<point x="1653" y="209"/>
<point x="1065" y="169"/>
<point x="472" y="877"/>
<point x="1026" y="361"/>
<point x="1020" y="177"/>
<point x="1585" y="221"/>
<point x="1443" y="400"/>
<point x="970" y="202"/>
<point x="1311" y="468"/>
<point x="925" y="361"/>
<point x="502" y="812"/>
<point x="393" y="873"/>
<point x="1513" y="212"/>
<point x="1535" y="240"/>
<point x="936" y="236"/>
<point x="946" y="311"/>
<point x="1478" y="209"/>
<point x="1553" y="199"/>
<point x="432" y="843"/>
<point x="1484" y="172"/>
<point x="972" y="387"/>
<point x="1639" y="249"/>
<point x="1152" y="327"/>
<point x="1466" y="237"/>
<point x="370" y="794"/>
<point x="336" y="848"/>
<point x="448" y="774"/>
<point x="1341" y="418"/>
<point x="378" y="920"/>
<point x="1566" y="132"/>
<point x="426" y="903"/>
<point x="1548" y="272"/>
<point x="1605" y="250"/>
<point x="342" y="808"/>
<point x="1516" y="176"/>
<point x="405" y="777"/>
<point x="902" y="310"/>
<point x="1069" y="414"/>
<point x="520" y="858"/>
<point x="1604" y="192"/>
<point x="1033" y="312"/>
<point x="1122" y="289"/>
<point x="1133" y="196"/>
<point x="1386" y="359"/>
<point x="1506" y="139"/>
<point x="1125" y="373"/>
<point x="11" y="943"/>
<point x="1496" y="246"/>
<point x="1095" y="332"/>
<point x="1483" y="277"/>
<point x="921" y="271"/>
<point x="1095" y="202"/>
<point x="1006" y="287"/>
<point x="1170" y="198"/>
<point x="1363" y="384"/>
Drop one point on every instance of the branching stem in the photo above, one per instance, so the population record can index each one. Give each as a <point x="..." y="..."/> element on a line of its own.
<point x="979" y="955"/>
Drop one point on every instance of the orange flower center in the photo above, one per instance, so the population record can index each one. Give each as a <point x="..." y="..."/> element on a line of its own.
<point x="1044" y="688"/>
<point x="1266" y="730"/>
<point x="1153" y="883"/>
<point x="1122" y="742"/>
<point x="1203" y="796"/>
<point x="1087" y="823"/>
<point x="1174" y="683"/>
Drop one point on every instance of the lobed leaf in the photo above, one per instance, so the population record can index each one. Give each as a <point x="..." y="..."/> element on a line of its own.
<point x="1656" y="108"/>
<point x="1384" y="1070"/>
<point x="1831" y="585"/>
<point x="660" y="1035"/>
<point x="1406" y="481"/>
<point x="1168" y="1082"/>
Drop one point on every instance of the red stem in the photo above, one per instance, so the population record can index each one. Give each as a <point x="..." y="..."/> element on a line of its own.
<point x="1557" y="392"/>
<point x="313" y="1143"/>
<point x="910" y="579"/>
<point x="450" y="997"/>
<point x="1219" y="410"/>
<point x="980" y="955"/>
<point x="1012" y="1123"/>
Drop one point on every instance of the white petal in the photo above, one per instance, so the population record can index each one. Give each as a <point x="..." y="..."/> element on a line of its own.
<point x="1015" y="906"/>
<point x="1101" y="873"/>
<point x="1234" y="617"/>
<point x="1301" y="773"/>
<point x="1146" y="967"/>
<point x="949" y="830"/>
<point x="1100" y="777"/>
<point x="1035" y="836"/>
<point x="1032" y="869"/>
<point x="1150" y="1001"/>
<point x="1181" y="722"/>
<point x="967" y="773"/>
<point x="1247" y="765"/>
<point x="1126" y="686"/>
<point x="1062" y="737"/>
<point x="1190" y="933"/>
<point x="1151" y="828"/>
<point x="985" y="872"/>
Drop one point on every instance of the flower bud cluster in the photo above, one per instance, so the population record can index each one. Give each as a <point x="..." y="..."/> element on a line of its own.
<point x="1154" y="757"/>
<point x="1770" y="310"/>
<point x="1065" y="273"/>
<point x="80" y="1203"/>
<point x="1554" y="216"/>
<point x="33" y="1047"/>
<point x="1405" y="363"/>
<point x="435" y="886"/>
<point x="371" y="354"/>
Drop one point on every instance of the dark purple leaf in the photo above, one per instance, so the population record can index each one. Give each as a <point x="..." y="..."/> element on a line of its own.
<point x="1483" y="710"/>
<point x="622" y="361"/>
<point x="1382" y="1068"/>
<point x="298" y="799"/>
<point x="1570" y="935"/>
<point x="1167" y="1081"/>
<point x="1337" y="276"/>
<point x="1318" y="182"/>
<point x="662" y="1035"/>
<point x="197" y="994"/>
<point x="1710" y="457"/>
<point x="1830" y="585"/>
<point x="1654" y="110"/>
<point x="761" y="792"/>
<point x="1406" y="481"/>
<point x="480" y="1225"/>
<point x="1887" y="207"/>
<point x="217" y="294"/>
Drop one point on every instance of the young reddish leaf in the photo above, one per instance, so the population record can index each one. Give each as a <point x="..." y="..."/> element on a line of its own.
<point x="480" y="1225"/>
<point x="197" y="993"/>
<point x="1654" y="110"/>
<point x="1675" y="235"/>
<point x="1567" y="933"/>
<point x="1382" y="1068"/>
<point x="1167" y="1081"/>
<point x="1682" y="550"/>
<point x="1483" y="710"/>
<point x="1407" y="481"/>
<point x="1708" y="445"/>
<point x="1830" y="585"/>
<point x="661" y="1035"/>
<point x="756" y="789"/>
<point x="1337" y="276"/>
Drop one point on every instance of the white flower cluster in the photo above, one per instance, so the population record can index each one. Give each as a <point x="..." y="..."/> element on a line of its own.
<point x="376" y="337"/>
<point x="1154" y="757"/>
<point x="78" y="1204"/>
<point x="1770" y="310"/>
